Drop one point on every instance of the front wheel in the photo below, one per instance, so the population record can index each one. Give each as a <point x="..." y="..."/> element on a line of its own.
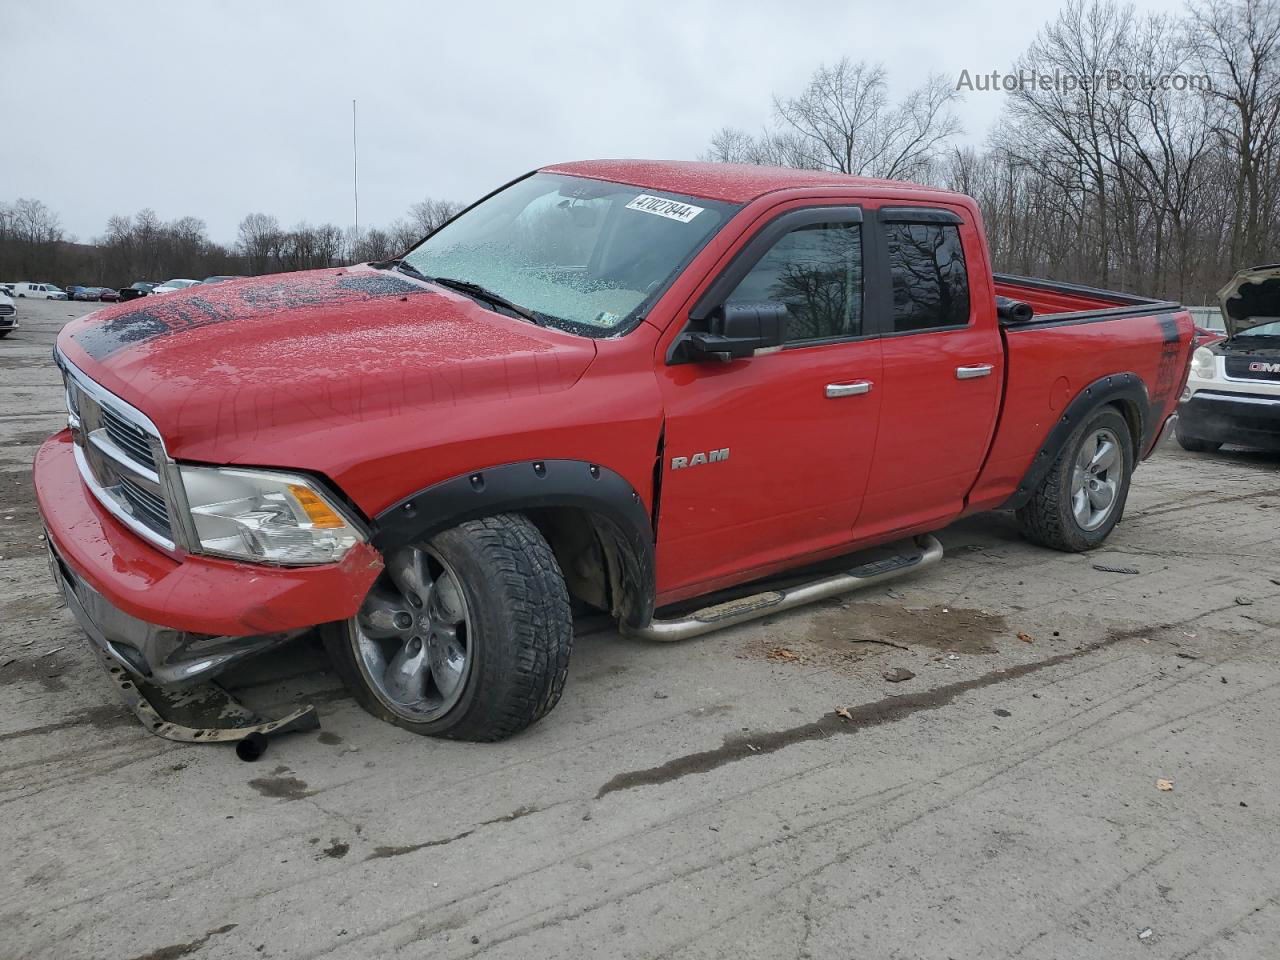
<point x="1082" y="497"/>
<point x="467" y="635"/>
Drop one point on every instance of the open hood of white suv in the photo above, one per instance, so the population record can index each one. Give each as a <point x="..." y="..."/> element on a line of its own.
<point x="1251" y="299"/>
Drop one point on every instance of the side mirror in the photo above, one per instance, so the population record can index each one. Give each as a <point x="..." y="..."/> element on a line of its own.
<point x="740" y="329"/>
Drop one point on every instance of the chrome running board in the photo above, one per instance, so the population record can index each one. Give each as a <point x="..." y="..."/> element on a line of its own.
<point x="733" y="612"/>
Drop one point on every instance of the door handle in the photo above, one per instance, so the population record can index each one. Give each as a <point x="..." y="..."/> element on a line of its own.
<point x="972" y="373"/>
<point x="853" y="389"/>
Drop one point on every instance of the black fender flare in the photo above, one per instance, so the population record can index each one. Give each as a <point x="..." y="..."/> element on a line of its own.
<point x="618" y="515"/>
<point x="1126" y="387"/>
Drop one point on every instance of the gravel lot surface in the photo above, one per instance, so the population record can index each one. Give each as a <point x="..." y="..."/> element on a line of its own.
<point x="702" y="799"/>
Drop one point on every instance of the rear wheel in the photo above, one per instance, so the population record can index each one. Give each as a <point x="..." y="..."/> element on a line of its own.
<point x="1193" y="444"/>
<point x="4" y="333"/>
<point x="1082" y="497"/>
<point x="467" y="635"/>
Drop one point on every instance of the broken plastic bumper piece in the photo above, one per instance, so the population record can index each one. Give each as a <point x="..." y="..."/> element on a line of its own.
<point x="164" y="674"/>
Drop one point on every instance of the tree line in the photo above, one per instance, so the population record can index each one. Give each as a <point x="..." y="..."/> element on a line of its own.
<point x="34" y="246"/>
<point x="1161" y="176"/>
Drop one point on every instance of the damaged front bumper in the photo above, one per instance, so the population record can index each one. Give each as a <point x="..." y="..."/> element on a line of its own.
<point x="166" y="657"/>
<point x="177" y="620"/>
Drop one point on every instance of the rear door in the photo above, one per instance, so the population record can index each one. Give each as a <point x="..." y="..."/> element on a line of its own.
<point x="766" y="458"/>
<point x="943" y="368"/>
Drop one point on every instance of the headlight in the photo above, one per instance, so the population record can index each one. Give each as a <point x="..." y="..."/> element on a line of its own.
<point x="1204" y="364"/>
<point x="265" y="516"/>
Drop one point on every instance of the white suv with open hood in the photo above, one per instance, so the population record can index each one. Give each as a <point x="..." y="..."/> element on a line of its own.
<point x="1233" y="390"/>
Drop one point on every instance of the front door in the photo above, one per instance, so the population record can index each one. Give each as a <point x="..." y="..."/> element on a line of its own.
<point x="767" y="458"/>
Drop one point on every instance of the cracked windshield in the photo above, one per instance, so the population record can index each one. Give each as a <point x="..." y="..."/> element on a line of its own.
<point x="585" y="255"/>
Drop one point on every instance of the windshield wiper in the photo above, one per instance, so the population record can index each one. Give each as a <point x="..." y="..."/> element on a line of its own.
<point x="485" y="294"/>
<point x="404" y="266"/>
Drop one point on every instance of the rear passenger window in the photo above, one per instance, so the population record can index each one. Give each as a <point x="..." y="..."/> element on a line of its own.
<point x="930" y="280"/>
<point x="817" y="272"/>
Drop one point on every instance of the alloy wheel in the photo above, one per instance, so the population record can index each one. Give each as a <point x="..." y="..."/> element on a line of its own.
<point x="1096" y="478"/>
<point x="413" y="635"/>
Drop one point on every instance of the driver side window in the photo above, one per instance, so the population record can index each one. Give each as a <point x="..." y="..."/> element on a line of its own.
<point x="816" y="270"/>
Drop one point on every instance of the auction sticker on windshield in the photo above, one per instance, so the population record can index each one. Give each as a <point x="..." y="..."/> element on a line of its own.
<point x="671" y="209"/>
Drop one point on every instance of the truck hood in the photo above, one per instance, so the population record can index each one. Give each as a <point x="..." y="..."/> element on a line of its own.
<point x="1251" y="299"/>
<point x="220" y="368"/>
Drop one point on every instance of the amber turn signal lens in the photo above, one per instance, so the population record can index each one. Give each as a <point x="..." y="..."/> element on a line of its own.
<point x="321" y="516"/>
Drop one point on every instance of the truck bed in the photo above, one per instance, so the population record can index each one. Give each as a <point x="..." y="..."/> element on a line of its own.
<point x="1058" y="354"/>
<point x="1056" y="302"/>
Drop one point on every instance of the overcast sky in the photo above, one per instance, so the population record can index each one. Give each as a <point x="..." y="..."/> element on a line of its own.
<point x="217" y="109"/>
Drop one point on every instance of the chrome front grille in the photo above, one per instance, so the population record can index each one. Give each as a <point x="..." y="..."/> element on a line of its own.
<point x="129" y="437"/>
<point x="145" y="503"/>
<point x="121" y="458"/>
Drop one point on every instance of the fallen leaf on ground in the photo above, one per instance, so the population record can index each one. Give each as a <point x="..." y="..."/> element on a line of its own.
<point x="1026" y="637"/>
<point x="781" y="653"/>
<point x="844" y="712"/>
<point x="1165" y="785"/>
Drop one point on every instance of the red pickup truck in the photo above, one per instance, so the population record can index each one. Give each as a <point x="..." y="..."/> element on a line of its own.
<point x="626" y="384"/>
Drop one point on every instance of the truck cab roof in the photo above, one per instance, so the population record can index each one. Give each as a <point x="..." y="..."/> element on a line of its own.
<point x="731" y="182"/>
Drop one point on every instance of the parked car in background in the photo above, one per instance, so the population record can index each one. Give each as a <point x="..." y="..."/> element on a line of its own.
<point x="136" y="290"/>
<point x="170" y="286"/>
<point x="108" y="294"/>
<point x="1233" y="391"/>
<point x="8" y="315"/>
<point x="39" y="291"/>
<point x="218" y="279"/>
<point x="84" y="293"/>
<point x="7" y="289"/>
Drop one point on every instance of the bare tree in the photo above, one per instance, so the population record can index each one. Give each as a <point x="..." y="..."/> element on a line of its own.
<point x="36" y="234"/>
<point x="731" y="145"/>
<point x="328" y="245"/>
<point x="371" y="245"/>
<point x="1238" y="45"/>
<point x="259" y="240"/>
<point x="844" y="121"/>
<point x="1067" y="128"/>
<point x="403" y="235"/>
<point x="429" y="215"/>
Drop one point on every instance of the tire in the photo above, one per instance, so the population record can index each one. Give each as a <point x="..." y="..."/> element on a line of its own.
<point x="494" y="581"/>
<point x="5" y="333"/>
<point x="1193" y="445"/>
<point x="1052" y="517"/>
